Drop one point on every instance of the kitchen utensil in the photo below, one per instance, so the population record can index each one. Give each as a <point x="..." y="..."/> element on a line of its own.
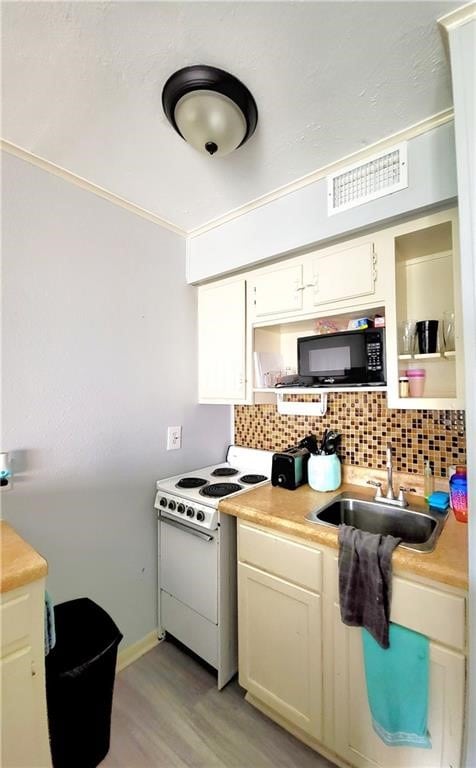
<point x="309" y="442"/>
<point x="323" y="441"/>
<point x="289" y="468"/>
<point x="416" y="381"/>
<point x="449" y="331"/>
<point x="406" y="337"/>
<point x="324" y="472"/>
<point x="427" y="334"/>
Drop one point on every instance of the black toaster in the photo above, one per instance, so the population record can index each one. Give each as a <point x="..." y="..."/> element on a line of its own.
<point x="289" y="469"/>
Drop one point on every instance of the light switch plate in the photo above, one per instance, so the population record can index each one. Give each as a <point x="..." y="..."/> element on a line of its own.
<point x="174" y="438"/>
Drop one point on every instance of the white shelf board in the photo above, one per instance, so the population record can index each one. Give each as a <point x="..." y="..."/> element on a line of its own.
<point x="440" y="403"/>
<point x="429" y="356"/>
<point x="317" y="390"/>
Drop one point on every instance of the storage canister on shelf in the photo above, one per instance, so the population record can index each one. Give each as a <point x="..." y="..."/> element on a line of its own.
<point x="416" y="381"/>
<point x="403" y="386"/>
<point x="459" y="494"/>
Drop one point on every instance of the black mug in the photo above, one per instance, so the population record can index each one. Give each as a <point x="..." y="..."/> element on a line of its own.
<point x="427" y="333"/>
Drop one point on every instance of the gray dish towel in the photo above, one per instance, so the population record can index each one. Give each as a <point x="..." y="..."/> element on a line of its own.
<point x="365" y="580"/>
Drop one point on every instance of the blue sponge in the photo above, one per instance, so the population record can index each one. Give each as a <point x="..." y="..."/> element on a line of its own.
<point x="439" y="500"/>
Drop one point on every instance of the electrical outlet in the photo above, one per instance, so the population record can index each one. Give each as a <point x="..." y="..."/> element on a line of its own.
<point x="174" y="438"/>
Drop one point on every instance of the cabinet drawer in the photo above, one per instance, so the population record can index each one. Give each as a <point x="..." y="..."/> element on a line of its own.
<point x="15" y="619"/>
<point x="438" y="615"/>
<point x="294" y="562"/>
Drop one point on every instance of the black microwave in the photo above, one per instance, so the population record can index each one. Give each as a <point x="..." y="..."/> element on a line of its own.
<point x="349" y="358"/>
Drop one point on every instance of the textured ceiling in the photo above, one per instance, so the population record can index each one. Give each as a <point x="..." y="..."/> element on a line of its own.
<point x="82" y="83"/>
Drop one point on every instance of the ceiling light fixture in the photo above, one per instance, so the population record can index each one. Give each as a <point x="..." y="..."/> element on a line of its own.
<point x="210" y="109"/>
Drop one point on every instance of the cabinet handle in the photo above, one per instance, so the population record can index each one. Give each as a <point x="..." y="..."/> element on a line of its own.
<point x="300" y="287"/>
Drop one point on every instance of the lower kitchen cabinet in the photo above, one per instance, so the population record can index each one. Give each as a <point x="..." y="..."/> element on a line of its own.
<point x="355" y="739"/>
<point x="298" y="660"/>
<point x="280" y="646"/>
<point x="24" y="729"/>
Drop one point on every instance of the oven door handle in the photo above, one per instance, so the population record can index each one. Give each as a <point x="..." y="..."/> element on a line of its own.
<point x="186" y="528"/>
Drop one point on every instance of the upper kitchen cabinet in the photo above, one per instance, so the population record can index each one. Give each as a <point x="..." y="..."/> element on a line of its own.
<point x="328" y="280"/>
<point x="426" y="287"/>
<point x="222" y="342"/>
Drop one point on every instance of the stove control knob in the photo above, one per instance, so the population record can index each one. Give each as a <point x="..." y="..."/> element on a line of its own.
<point x="181" y="508"/>
<point x="163" y="502"/>
<point x="190" y="512"/>
<point x="172" y="505"/>
<point x="200" y="516"/>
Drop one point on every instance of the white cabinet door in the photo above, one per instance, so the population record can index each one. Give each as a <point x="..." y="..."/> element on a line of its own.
<point x="357" y="742"/>
<point x="277" y="291"/>
<point x="341" y="275"/>
<point x="280" y="647"/>
<point x="24" y="730"/>
<point x="222" y="342"/>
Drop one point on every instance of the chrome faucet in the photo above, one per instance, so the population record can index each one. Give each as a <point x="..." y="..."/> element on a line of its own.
<point x="390" y="497"/>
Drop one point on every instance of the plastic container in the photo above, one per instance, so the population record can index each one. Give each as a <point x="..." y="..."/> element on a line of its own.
<point x="416" y="381"/>
<point x="428" y="481"/>
<point x="459" y="494"/>
<point x="324" y="473"/>
<point x="80" y="673"/>
<point x="403" y="386"/>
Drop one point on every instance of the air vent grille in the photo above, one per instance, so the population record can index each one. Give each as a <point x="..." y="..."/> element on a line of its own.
<point x="378" y="176"/>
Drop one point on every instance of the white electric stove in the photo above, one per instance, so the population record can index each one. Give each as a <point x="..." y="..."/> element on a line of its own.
<point x="197" y="555"/>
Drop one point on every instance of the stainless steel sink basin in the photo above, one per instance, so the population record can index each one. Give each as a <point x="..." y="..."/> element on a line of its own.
<point x="418" y="530"/>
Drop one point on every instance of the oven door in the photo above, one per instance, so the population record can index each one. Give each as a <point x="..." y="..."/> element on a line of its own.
<point x="189" y="566"/>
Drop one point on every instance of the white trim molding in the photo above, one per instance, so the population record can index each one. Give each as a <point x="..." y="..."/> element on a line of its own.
<point x="460" y="16"/>
<point x="133" y="652"/>
<point x="408" y="133"/>
<point x="417" y="129"/>
<point x="73" y="178"/>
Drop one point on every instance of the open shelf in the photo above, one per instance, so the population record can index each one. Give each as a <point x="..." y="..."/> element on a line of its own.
<point x="429" y="356"/>
<point x="315" y="390"/>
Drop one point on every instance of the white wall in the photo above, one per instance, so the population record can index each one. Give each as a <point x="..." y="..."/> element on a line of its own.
<point x="463" y="59"/>
<point x="99" y="356"/>
<point x="299" y="219"/>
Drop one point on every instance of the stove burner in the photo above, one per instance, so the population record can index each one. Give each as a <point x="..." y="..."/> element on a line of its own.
<point x="252" y="479"/>
<point x="190" y="482"/>
<point x="224" y="471"/>
<point x="215" y="490"/>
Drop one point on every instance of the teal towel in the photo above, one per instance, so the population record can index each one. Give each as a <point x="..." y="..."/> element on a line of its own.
<point x="397" y="687"/>
<point x="50" y="633"/>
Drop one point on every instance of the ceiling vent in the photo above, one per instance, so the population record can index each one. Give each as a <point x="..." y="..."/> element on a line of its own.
<point x="379" y="175"/>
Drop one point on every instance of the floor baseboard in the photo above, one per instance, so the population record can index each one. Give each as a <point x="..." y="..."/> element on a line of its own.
<point x="133" y="652"/>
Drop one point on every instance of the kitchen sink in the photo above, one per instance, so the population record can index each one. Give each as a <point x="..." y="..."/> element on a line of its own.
<point x="418" y="530"/>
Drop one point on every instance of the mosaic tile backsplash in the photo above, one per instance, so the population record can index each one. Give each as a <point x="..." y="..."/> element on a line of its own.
<point x="367" y="425"/>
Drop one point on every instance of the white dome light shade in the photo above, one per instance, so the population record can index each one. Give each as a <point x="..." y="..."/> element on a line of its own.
<point x="207" y="119"/>
<point x="210" y="109"/>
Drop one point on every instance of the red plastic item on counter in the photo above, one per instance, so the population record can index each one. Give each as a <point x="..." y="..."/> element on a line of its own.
<point x="459" y="494"/>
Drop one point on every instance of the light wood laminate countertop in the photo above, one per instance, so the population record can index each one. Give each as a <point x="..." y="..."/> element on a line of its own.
<point x="285" y="511"/>
<point x="20" y="563"/>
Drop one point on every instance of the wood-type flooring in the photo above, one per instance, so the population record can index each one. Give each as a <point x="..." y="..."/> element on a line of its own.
<point x="168" y="713"/>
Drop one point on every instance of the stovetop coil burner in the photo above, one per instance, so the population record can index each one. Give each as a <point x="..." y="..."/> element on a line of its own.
<point x="191" y="482"/>
<point x="224" y="472"/>
<point x="216" y="490"/>
<point x="252" y="479"/>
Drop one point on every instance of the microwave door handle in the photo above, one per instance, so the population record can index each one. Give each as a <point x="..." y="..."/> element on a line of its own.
<point x="186" y="529"/>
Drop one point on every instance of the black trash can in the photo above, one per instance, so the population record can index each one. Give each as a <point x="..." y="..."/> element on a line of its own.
<point x="80" y="673"/>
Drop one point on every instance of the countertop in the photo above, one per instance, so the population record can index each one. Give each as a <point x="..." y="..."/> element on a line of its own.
<point x="21" y="564"/>
<point x="285" y="511"/>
